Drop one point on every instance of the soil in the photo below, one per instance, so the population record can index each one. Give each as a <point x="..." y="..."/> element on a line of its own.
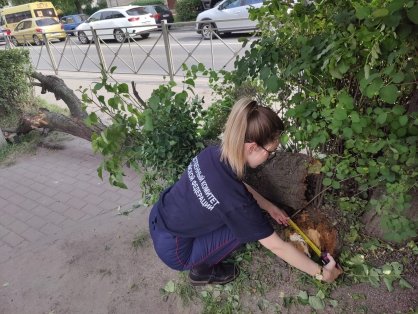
<point x="94" y="268"/>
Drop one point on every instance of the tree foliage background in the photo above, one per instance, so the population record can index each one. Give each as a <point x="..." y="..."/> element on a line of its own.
<point x="346" y="73"/>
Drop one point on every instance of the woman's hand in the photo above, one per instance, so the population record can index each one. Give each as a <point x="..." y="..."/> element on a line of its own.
<point x="331" y="271"/>
<point x="278" y="214"/>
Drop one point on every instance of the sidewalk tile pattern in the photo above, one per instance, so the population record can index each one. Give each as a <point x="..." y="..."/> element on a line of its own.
<point x="43" y="194"/>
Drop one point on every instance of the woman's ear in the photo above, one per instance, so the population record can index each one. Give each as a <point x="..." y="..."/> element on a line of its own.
<point x="250" y="147"/>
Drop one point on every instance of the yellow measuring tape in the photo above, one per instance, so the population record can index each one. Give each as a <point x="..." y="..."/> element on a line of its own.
<point x="305" y="237"/>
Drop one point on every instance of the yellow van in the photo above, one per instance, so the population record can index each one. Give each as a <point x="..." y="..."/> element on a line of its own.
<point x="11" y="16"/>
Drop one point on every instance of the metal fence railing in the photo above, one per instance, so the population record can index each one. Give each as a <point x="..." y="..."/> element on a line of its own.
<point x="162" y="53"/>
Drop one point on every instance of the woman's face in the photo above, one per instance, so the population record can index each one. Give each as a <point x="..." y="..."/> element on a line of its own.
<point x="256" y="155"/>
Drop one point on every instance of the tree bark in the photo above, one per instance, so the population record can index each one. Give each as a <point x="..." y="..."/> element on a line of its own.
<point x="73" y="125"/>
<point x="282" y="180"/>
<point x="54" y="84"/>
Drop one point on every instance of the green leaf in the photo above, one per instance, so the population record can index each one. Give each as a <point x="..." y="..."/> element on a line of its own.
<point x="343" y="67"/>
<point x="316" y="303"/>
<point x="381" y="118"/>
<point x="398" y="77"/>
<point x="347" y="132"/>
<point x="374" y="278"/>
<point x="403" y="120"/>
<point x="200" y="67"/>
<point x="405" y="284"/>
<point x="190" y="82"/>
<point x="320" y="294"/>
<point x="346" y="101"/>
<point x="389" y="94"/>
<point x="170" y="287"/>
<point x="336" y="185"/>
<point x="413" y="14"/>
<point x="148" y="125"/>
<point x="97" y="86"/>
<point x="397" y="268"/>
<point x="366" y="71"/>
<point x="340" y="114"/>
<point x="361" y="12"/>
<point x="355" y="118"/>
<point x="326" y="182"/>
<point x="273" y="84"/>
<point x="303" y="297"/>
<point x="374" y="87"/>
<point x="100" y="172"/>
<point x="357" y="127"/>
<point x="335" y="72"/>
<point x="123" y="88"/>
<point x="265" y="73"/>
<point x="387" y="269"/>
<point x="334" y="303"/>
<point x="388" y="282"/>
<point x="380" y="12"/>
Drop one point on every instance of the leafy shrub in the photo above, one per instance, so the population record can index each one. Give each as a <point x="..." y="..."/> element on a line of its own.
<point x="14" y="85"/>
<point x="187" y="10"/>
<point x="157" y="138"/>
<point x="350" y="75"/>
<point x="147" y="2"/>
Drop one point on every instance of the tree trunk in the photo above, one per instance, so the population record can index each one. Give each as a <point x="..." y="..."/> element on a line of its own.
<point x="282" y="180"/>
<point x="73" y="125"/>
<point x="287" y="181"/>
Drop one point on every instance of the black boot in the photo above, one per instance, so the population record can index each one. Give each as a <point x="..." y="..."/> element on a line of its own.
<point x="217" y="274"/>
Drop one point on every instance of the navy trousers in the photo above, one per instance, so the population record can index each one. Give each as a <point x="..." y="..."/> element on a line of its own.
<point x="185" y="253"/>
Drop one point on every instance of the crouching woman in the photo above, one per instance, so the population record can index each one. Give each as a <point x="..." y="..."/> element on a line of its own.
<point x="210" y="212"/>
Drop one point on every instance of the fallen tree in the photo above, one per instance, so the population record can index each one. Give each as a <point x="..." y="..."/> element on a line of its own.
<point x="74" y="124"/>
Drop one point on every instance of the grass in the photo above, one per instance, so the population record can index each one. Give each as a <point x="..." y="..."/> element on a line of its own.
<point x="141" y="238"/>
<point x="259" y="276"/>
<point x="27" y="143"/>
<point x="269" y="285"/>
<point x="42" y="103"/>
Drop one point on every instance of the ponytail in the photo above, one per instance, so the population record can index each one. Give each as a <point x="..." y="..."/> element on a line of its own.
<point x="248" y="122"/>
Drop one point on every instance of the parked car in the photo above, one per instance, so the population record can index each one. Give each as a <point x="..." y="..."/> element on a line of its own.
<point x="227" y="16"/>
<point x="160" y="12"/>
<point x="31" y="30"/>
<point x="115" y="23"/>
<point x="70" y="22"/>
<point x="3" y="33"/>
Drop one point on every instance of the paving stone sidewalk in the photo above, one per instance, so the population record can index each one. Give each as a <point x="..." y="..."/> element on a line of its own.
<point x="44" y="194"/>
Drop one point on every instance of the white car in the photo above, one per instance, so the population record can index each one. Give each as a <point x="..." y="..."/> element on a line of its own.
<point x="226" y="17"/>
<point x="116" y="23"/>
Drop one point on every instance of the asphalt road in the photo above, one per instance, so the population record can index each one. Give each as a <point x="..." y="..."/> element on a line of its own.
<point x="142" y="56"/>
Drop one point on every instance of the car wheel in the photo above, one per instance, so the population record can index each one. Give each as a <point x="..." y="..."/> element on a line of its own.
<point x="82" y="37"/>
<point x="36" y="40"/>
<point x="208" y="30"/>
<point x="119" y="35"/>
<point x="145" y="35"/>
<point x="14" y="41"/>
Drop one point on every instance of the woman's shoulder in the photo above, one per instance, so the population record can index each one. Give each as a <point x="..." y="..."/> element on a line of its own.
<point x="213" y="150"/>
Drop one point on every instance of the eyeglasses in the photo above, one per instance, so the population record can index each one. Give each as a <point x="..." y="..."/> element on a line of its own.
<point x="271" y="153"/>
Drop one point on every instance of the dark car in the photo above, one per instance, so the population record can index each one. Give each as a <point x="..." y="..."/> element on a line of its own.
<point x="70" y="22"/>
<point x="160" y="12"/>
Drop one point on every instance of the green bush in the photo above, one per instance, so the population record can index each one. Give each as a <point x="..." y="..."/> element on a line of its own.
<point x="157" y="138"/>
<point x="187" y="10"/>
<point x="349" y="73"/>
<point x="14" y="87"/>
<point x="148" y="2"/>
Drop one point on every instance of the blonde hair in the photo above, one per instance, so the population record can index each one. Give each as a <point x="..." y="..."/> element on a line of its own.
<point x="248" y="122"/>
